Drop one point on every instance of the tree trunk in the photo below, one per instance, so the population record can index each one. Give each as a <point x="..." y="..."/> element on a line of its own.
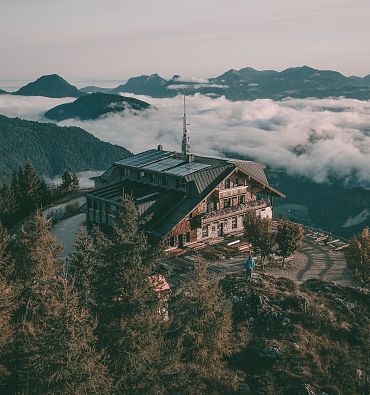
<point x="283" y="261"/>
<point x="263" y="262"/>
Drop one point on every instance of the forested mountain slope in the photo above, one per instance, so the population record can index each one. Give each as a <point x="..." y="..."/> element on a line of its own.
<point x="95" y="105"/>
<point x="52" y="148"/>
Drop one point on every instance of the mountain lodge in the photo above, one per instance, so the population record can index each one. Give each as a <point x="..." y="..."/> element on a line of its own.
<point x="187" y="198"/>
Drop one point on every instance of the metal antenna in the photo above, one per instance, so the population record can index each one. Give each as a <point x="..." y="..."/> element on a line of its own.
<point x="185" y="145"/>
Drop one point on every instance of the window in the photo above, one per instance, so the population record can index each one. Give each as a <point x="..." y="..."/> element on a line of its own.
<point x="227" y="202"/>
<point x="227" y="183"/>
<point x="138" y="175"/>
<point x="205" y="231"/>
<point x="239" y="181"/>
<point x="164" y="181"/>
<point x="234" y="222"/>
<point x="151" y="177"/>
<point x="241" y="199"/>
<point x="182" y="184"/>
<point x="187" y="237"/>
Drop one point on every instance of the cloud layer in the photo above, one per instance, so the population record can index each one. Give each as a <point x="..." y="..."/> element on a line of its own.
<point x="319" y="139"/>
<point x="84" y="178"/>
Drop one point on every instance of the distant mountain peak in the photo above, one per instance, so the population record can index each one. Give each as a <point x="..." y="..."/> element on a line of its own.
<point x="51" y="85"/>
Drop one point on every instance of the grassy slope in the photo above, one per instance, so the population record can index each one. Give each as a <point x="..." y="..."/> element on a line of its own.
<point x="291" y="338"/>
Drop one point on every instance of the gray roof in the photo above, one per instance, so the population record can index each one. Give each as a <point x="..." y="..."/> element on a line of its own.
<point x="256" y="170"/>
<point x="188" y="203"/>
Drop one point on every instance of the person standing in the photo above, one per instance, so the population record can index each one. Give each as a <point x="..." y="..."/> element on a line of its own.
<point x="249" y="266"/>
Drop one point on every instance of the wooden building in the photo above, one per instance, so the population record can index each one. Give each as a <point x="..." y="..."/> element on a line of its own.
<point x="188" y="198"/>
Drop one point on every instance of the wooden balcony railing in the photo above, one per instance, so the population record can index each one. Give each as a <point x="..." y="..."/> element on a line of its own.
<point x="235" y="210"/>
<point x="224" y="193"/>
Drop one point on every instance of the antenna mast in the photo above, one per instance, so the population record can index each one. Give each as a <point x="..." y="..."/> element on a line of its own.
<point x="185" y="145"/>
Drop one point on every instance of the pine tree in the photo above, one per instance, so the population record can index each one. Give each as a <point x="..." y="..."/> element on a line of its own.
<point x="7" y="306"/>
<point x="15" y="188"/>
<point x="258" y="231"/>
<point x="37" y="250"/>
<point x="57" y="344"/>
<point x="7" y="203"/>
<point x="130" y="326"/>
<point x="201" y="316"/>
<point x="288" y="238"/>
<point x="33" y="190"/>
<point x="70" y="182"/>
<point x="82" y="266"/>
<point x="358" y="256"/>
<point x="55" y="348"/>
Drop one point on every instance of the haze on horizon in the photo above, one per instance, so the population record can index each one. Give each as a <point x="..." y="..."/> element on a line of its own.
<point x="116" y="39"/>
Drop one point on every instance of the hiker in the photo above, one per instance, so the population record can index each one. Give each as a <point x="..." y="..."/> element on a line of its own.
<point x="249" y="266"/>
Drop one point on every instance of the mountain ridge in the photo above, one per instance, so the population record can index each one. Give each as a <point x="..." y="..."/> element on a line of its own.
<point x="248" y="84"/>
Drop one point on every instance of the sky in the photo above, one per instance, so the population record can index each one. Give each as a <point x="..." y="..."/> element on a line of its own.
<point x="116" y="39"/>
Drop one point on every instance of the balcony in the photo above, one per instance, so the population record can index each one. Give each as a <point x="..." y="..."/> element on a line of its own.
<point x="231" y="211"/>
<point x="239" y="190"/>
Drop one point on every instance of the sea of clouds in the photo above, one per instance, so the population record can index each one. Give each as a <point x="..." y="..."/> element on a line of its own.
<point x="320" y="139"/>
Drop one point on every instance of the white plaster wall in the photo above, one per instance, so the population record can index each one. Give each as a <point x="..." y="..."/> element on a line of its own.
<point x="265" y="212"/>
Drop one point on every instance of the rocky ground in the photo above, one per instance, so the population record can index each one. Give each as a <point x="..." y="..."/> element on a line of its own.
<point x="295" y="339"/>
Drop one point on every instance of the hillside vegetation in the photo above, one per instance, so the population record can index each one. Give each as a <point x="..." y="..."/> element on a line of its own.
<point x="309" y="339"/>
<point x="52" y="148"/>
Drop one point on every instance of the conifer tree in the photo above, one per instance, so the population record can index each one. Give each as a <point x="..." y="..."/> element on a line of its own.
<point x="70" y="181"/>
<point x="7" y="203"/>
<point x="55" y="348"/>
<point x="201" y="315"/>
<point x="130" y="326"/>
<point x="82" y="266"/>
<point x="6" y="259"/>
<point x="33" y="191"/>
<point x="37" y="250"/>
<point x="358" y="256"/>
<point x="7" y="306"/>
<point x="15" y="188"/>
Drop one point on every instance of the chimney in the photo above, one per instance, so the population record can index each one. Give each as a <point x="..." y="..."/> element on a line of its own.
<point x="160" y="147"/>
<point x="190" y="158"/>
